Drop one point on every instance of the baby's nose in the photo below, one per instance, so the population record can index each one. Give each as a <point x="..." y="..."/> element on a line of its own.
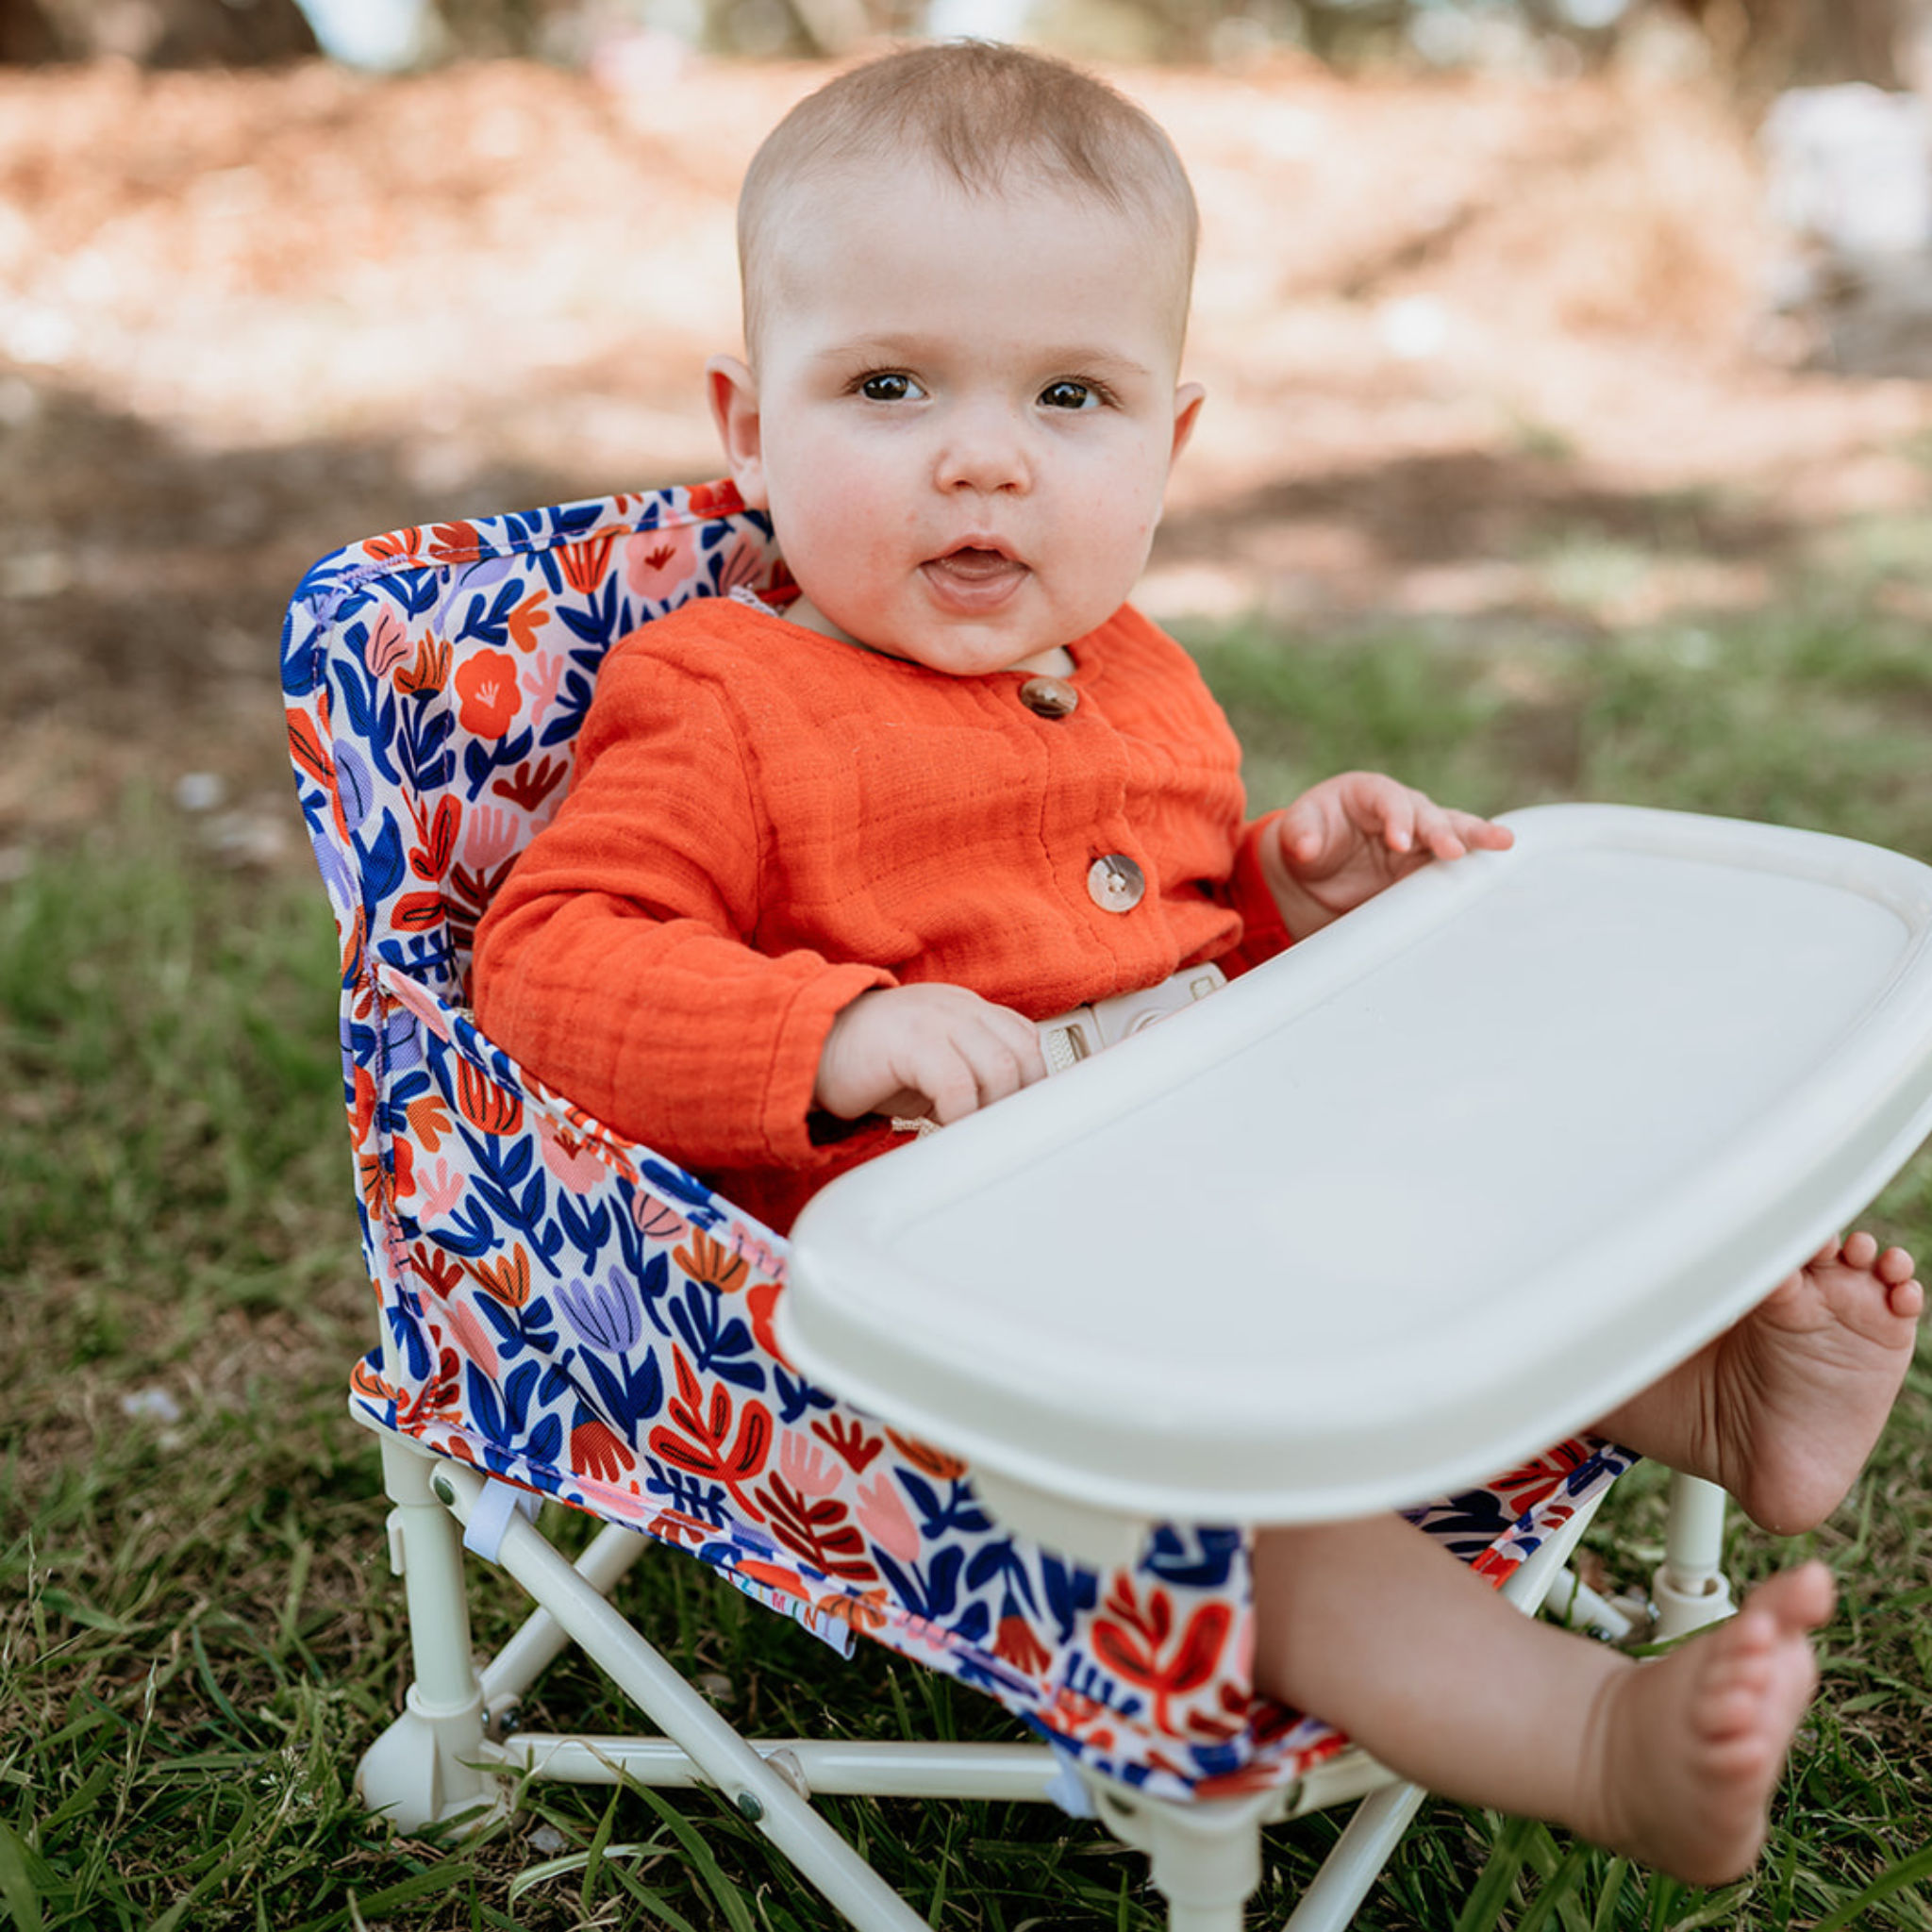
<point x="984" y="449"/>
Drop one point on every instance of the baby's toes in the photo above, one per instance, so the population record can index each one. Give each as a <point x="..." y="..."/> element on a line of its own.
<point x="1860" y="1250"/>
<point x="1906" y="1299"/>
<point x="1895" y="1266"/>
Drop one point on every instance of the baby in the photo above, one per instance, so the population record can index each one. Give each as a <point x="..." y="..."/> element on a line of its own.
<point x="825" y="868"/>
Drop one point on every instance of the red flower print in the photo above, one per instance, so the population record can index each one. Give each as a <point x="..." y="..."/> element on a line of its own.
<point x="487" y="683"/>
<point x="925" y="1458"/>
<point x="430" y="672"/>
<point x="528" y="619"/>
<point x="455" y="542"/>
<point x="508" y="1280"/>
<point x="428" y="1120"/>
<point x="586" y="564"/>
<point x="706" y="1260"/>
<point x="865" y="1612"/>
<point x="847" y="1436"/>
<point x="369" y="1385"/>
<point x="440" y="1274"/>
<point x="759" y="1304"/>
<point x="715" y="499"/>
<point x="1130" y="1640"/>
<point x="396" y="546"/>
<point x="598" y="1452"/>
<point x="1014" y="1642"/>
<point x="487" y="1106"/>
<point x="532" y="782"/>
<point x="714" y="1439"/>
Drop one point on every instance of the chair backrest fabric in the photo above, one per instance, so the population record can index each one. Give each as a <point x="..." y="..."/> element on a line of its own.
<point x="570" y="1311"/>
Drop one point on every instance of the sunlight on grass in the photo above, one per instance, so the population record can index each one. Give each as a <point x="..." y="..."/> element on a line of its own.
<point x="198" y="1635"/>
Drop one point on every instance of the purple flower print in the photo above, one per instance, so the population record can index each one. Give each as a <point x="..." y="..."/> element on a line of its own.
<point x="608" y="1317"/>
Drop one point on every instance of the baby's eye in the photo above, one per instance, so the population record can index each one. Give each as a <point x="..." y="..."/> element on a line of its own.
<point x="889" y="386"/>
<point x="1067" y="394"/>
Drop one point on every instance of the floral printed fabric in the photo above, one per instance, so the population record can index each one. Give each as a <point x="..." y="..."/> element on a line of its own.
<point x="566" y="1311"/>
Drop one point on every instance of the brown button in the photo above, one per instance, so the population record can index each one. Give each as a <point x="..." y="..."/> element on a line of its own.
<point x="1115" y="883"/>
<point x="1051" y="697"/>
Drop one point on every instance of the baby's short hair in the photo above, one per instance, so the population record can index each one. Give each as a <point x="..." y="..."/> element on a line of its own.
<point x="985" y="115"/>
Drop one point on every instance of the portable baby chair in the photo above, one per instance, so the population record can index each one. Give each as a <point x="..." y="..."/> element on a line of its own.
<point x="567" y="1315"/>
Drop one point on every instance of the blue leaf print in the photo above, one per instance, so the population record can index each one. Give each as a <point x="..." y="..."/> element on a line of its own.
<point x="723" y="1348"/>
<point x="1071" y="1588"/>
<point x="1200" y="1559"/>
<point x="688" y="1495"/>
<point x="545" y="1444"/>
<point x="797" y="1395"/>
<point x="484" y="1408"/>
<point x="383" y="865"/>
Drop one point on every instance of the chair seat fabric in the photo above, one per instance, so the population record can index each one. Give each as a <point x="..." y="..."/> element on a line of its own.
<point x="569" y="1311"/>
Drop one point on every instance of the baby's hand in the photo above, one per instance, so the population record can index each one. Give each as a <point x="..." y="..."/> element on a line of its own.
<point x="934" y="1051"/>
<point x="1351" y="837"/>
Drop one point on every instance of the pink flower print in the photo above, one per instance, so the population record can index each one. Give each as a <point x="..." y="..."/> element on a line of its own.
<point x="806" y="1467"/>
<point x="765" y="1258"/>
<point x="658" y="563"/>
<point x="388" y="644"/>
<point x="420" y="1001"/>
<point x="569" y="1158"/>
<point x="655" y="1220"/>
<point x="489" y="837"/>
<point x="882" y="1516"/>
<point x="472" y="1338"/>
<point x="444" y="1190"/>
<point x="487" y="683"/>
<point x="542" y="677"/>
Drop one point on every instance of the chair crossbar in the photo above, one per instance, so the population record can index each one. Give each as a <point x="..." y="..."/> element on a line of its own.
<point x="759" y="1791"/>
<point x="817" y="1766"/>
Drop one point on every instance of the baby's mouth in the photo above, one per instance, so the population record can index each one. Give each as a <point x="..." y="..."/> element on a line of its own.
<point x="974" y="576"/>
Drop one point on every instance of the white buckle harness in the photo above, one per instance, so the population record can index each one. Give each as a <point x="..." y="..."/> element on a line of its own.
<point x="1070" y="1038"/>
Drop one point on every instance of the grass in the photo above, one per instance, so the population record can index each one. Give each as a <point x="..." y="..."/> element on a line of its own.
<point x="197" y="1634"/>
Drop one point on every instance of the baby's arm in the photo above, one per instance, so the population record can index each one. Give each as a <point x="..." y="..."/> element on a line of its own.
<point x="1351" y="837"/>
<point x="930" y="1051"/>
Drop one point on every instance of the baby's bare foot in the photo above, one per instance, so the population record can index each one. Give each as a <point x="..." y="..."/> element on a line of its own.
<point x="1804" y="1383"/>
<point x="1692" y="1745"/>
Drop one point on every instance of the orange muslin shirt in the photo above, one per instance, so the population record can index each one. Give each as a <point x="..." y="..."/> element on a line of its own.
<point x="765" y="822"/>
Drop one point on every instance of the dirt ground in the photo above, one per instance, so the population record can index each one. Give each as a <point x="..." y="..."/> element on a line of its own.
<point x="1443" y="326"/>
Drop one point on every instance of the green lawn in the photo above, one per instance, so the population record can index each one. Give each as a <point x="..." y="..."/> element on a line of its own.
<point x="197" y="1630"/>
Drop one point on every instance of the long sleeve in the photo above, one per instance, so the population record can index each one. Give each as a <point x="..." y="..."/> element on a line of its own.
<point x="618" y="960"/>
<point x="1264" y="932"/>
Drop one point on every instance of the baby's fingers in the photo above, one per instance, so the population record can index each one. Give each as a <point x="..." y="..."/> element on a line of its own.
<point x="983" y="1060"/>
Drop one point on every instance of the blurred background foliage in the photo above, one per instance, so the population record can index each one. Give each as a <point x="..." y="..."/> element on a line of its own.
<point x="1759" y="46"/>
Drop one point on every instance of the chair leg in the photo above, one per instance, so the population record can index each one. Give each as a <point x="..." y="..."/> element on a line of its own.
<point x="1690" y="1588"/>
<point x="1331" y="1899"/>
<point x="424" y="1767"/>
<point x="1204" y="1858"/>
<point x="760" y="1792"/>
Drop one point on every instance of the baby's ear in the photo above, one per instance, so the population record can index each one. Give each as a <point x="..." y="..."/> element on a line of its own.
<point x="1187" y="409"/>
<point x="734" y="394"/>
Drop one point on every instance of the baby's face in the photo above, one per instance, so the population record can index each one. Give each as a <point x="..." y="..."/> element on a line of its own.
<point x="963" y="414"/>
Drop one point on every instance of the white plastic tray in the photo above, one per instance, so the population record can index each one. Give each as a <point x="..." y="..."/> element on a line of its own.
<point x="1435" y="1189"/>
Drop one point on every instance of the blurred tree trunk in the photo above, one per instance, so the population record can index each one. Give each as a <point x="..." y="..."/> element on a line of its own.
<point x="156" y="33"/>
<point x="1770" y="44"/>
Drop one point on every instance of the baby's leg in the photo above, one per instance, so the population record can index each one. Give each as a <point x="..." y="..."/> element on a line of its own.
<point x="1384" y="1633"/>
<point x="1783" y="1408"/>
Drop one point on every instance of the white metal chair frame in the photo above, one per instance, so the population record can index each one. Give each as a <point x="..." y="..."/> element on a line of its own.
<point x="457" y="1745"/>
